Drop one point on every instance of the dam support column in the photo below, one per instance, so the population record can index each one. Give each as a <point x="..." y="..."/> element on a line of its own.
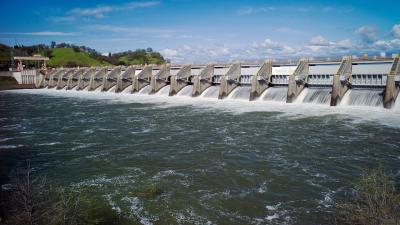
<point x="230" y="80"/>
<point x="261" y="81"/>
<point x="392" y="84"/>
<point x="125" y="79"/>
<point x="203" y="80"/>
<point x="73" y="79"/>
<point x="161" y="79"/>
<point x="297" y="81"/>
<point x="96" y="80"/>
<point x="341" y="81"/>
<point x="180" y="80"/>
<point x="110" y="79"/>
<point x="84" y="78"/>
<point x="142" y="79"/>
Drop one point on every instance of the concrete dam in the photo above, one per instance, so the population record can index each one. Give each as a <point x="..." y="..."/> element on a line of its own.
<point x="358" y="82"/>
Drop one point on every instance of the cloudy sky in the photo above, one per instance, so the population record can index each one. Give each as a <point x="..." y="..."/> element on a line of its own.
<point x="187" y="31"/>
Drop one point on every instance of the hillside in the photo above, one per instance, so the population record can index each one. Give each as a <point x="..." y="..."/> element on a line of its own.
<point x="140" y="56"/>
<point x="68" y="57"/>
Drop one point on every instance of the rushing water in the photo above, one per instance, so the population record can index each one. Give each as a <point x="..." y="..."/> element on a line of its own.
<point x="211" y="92"/>
<point x="278" y="94"/>
<point x="240" y="93"/>
<point x="186" y="91"/>
<point x="216" y="162"/>
<point x="315" y="96"/>
<point x="363" y="97"/>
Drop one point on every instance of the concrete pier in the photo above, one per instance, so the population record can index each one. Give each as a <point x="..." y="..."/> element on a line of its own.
<point x="74" y="78"/>
<point x="261" y="81"/>
<point x="110" y="79"/>
<point x="297" y="81"/>
<point x="203" y="80"/>
<point x="53" y="79"/>
<point x="392" y="84"/>
<point x="96" y="80"/>
<point x="142" y="79"/>
<point x="230" y="80"/>
<point x="341" y="81"/>
<point x="161" y="79"/>
<point x="180" y="80"/>
<point x="125" y="79"/>
<point x="84" y="78"/>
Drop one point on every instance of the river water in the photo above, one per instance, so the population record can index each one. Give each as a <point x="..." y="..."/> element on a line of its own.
<point x="216" y="161"/>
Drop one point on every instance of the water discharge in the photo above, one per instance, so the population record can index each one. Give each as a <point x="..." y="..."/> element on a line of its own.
<point x="186" y="91"/>
<point x="164" y="91"/>
<point x="278" y="94"/>
<point x="211" y="92"/>
<point x="361" y="97"/>
<point x="315" y="96"/>
<point x="145" y="90"/>
<point x="240" y="93"/>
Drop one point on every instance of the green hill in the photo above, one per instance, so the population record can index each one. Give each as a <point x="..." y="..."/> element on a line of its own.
<point x="139" y="57"/>
<point x="69" y="57"/>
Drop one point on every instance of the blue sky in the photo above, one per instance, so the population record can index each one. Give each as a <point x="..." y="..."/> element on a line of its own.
<point x="188" y="31"/>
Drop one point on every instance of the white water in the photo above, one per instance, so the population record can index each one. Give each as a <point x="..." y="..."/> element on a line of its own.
<point x="64" y="88"/>
<point x="315" y="96"/>
<point x="240" y="93"/>
<point x="164" y="91"/>
<point x="98" y="89"/>
<point x="127" y="90"/>
<point x="86" y="88"/>
<point x="112" y="89"/>
<point x="74" y="88"/>
<point x="186" y="91"/>
<point x="354" y="97"/>
<point x="357" y="114"/>
<point x="278" y="94"/>
<point x="211" y="92"/>
<point x="145" y="90"/>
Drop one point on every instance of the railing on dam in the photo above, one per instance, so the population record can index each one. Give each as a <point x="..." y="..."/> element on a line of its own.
<point x="320" y="79"/>
<point x="369" y="80"/>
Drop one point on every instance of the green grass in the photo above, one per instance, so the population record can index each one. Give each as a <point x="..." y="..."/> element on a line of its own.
<point x="69" y="57"/>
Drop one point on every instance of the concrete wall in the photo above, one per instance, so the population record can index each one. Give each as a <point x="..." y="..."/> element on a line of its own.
<point x="341" y="81"/>
<point x="230" y="80"/>
<point x="261" y="81"/>
<point x="203" y="80"/>
<point x="180" y="80"/>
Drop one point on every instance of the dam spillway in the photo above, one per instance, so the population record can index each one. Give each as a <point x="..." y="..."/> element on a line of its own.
<point x="346" y="82"/>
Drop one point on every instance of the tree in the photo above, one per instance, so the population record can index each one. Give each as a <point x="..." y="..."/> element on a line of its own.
<point x="53" y="44"/>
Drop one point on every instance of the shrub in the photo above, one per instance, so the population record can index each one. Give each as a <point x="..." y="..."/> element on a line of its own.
<point x="375" y="201"/>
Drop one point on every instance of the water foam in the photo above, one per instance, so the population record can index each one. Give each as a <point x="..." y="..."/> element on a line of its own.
<point x="372" y="98"/>
<point x="240" y="93"/>
<point x="211" y="92"/>
<point x="206" y="102"/>
<point x="278" y="94"/>
<point x="315" y="96"/>
<point x="186" y="91"/>
<point x="164" y="91"/>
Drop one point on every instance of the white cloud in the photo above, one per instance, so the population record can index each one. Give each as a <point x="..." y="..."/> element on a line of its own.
<point x="251" y="10"/>
<point x="319" y="41"/>
<point x="170" y="53"/>
<point x="368" y="34"/>
<point x="101" y="11"/>
<point x="131" y="30"/>
<point x="43" y="33"/>
<point x="396" y="31"/>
